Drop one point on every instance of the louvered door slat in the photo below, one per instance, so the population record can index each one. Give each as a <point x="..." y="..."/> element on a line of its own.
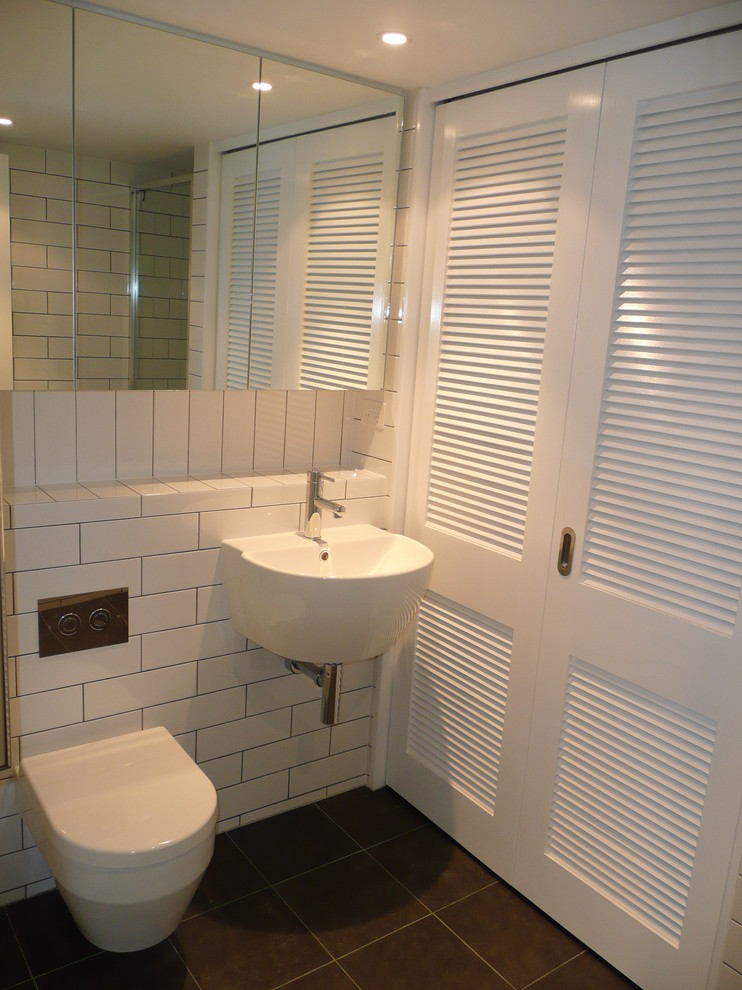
<point x="505" y="200"/>
<point x="673" y="385"/>
<point x="341" y="271"/>
<point x="252" y="287"/>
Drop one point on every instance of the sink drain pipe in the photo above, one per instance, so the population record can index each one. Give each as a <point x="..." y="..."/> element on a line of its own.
<point x="327" y="676"/>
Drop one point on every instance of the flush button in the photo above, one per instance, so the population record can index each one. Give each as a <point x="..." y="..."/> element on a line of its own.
<point x="69" y="624"/>
<point x="99" y="619"/>
<point x="83" y="622"/>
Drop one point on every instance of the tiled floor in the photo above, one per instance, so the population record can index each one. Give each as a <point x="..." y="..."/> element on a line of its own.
<point x="357" y="891"/>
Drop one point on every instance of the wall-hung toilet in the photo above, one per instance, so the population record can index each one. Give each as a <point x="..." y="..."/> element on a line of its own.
<point x="126" y="826"/>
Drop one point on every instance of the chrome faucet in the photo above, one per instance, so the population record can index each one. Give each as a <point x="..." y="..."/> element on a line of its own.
<point x="315" y="502"/>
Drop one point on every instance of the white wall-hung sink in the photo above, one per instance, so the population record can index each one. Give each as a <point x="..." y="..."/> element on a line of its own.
<point x="346" y="597"/>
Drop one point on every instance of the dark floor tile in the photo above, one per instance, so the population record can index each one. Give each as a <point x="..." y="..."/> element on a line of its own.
<point x="328" y="978"/>
<point x="351" y="902"/>
<point x="228" y="876"/>
<point x="49" y="937"/>
<point x="419" y="957"/>
<point x="372" y="816"/>
<point x="255" y="942"/>
<point x="434" y="867"/>
<point x="586" y="972"/>
<point x="13" y="969"/>
<point x="293" y="842"/>
<point x="158" y="968"/>
<point x="514" y="937"/>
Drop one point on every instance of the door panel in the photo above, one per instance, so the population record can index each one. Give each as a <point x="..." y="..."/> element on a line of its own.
<point x="632" y="790"/>
<point x="504" y="258"/>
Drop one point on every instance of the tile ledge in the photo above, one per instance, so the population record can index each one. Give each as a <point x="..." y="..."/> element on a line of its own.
<point x="358" y="482"/>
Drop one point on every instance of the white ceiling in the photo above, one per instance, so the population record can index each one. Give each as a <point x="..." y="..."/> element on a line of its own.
<point x="450" y="39"/>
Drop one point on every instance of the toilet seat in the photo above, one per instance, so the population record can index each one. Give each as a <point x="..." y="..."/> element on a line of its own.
<point x="130" y="801"/>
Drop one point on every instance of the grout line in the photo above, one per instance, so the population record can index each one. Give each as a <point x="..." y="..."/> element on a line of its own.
<point x="567" y="962"/>
<point x="474" y="952"/>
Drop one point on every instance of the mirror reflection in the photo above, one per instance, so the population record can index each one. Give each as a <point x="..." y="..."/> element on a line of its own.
<point x="36" y="194"/>
<point x="225" y="236"/>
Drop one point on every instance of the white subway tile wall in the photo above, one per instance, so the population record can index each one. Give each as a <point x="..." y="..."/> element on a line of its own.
<point x="252" y="725"/>
<point x="41" y="259"/>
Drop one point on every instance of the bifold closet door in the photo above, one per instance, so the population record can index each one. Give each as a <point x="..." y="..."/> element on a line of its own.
<point x="633" y="784"/>
<point x="505" y="249"/>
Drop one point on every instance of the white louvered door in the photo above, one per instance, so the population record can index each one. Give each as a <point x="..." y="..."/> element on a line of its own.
<point x="345" y="188"/>
<point x="254" y="280"/>
<point x="633" y="785"/>
<point x="505" y="251"/>
<point x="303" y="293"/>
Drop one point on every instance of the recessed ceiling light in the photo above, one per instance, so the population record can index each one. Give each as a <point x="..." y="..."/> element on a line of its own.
<point x="262" y="87"/>
<point x="5" y="122"/>
<point x="394" y="38"/>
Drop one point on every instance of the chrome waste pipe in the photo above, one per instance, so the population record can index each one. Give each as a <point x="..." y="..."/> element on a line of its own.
<point x="328" y="677"/>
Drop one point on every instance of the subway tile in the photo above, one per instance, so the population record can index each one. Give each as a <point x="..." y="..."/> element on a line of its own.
<point x="81" y="732"/>
<point x="230" y="523"/>
<point x="153" y="613"/>
<point x="151" y="687"/>
<point x="364" y="484"/>
<point x="239" y="430"/>
<point x="328" y="428"/>
<point x="28" y="255"/>
<point x="40" y="184"/>
<point x="332" y="770"/>
<point x="353" y="705"/>
<point x="34" y="548"/>
<point x="138" y="537"/>
<point x="196" y="713"/>
<point x="36" y="674"/>
<point x="96" y="435"/>
<point x="280" y="489"/>
<point x="108" y="489"/>
<point x="187" y="742"/>
<point x="29" y="586"/>
<point x="374" y="511"/>
<point x="243" y="798"/>
<point x="48" y="710"/>
<point x="176" y="646"/>
<point x="212" y="604"/>
<point x="23" y="867"/>
<point x="234" y="737"/>
<point x="41" y="280"/>
<point x="225" y="771"/>
<point x="175" y="571"/>
<point x="170" y="433"/>
<point x="300" y="422"/>
<point x="134" y="427"/>
<point x="247" y="667"/>
<point x="358" y="675"/>
<point x="349" y="735"/>
<point x="102" y="239"/>
<point x="285" y="753"/>
<point x="17" y="440"/>
<point x="280" y="692"/>
<point x="85" y="508"/>
<point x="46" y="326"/>
<point x="205" y="432"/>
<point x="270" y="429"/>
<point x="23" y="634"/>
<point x="11" y="834"/>
<point x="204" y="498"/>
<point x="55" y="432"/>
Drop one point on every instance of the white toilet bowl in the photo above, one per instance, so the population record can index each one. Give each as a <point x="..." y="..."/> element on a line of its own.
<point x="126" y="826"/>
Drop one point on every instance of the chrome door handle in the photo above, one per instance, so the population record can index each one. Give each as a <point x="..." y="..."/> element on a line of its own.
<point x="566" y="551"/>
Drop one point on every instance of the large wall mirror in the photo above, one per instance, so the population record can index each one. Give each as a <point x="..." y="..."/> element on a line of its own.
<point x="233" y="215"/>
